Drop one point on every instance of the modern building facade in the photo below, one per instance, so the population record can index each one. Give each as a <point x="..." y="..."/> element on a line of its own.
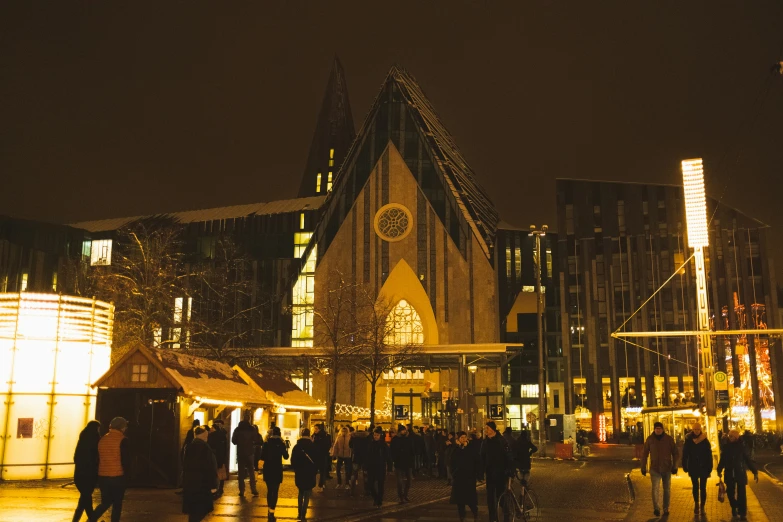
<point x="620" y="242"/>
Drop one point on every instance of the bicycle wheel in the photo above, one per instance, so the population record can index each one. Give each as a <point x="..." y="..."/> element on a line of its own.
<point x="508" y="508"/>
<point x="528" y="502"/>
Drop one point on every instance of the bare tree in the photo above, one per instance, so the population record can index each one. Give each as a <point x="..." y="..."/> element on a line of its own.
<point x="228" y="307"/>
<point x="387" y="339"/>
<point x="335" y="332"/>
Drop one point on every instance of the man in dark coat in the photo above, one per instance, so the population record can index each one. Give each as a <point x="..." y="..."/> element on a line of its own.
<point x="377" y="458"/>
<point x="305" y="470"/>
<point x="418" y="449"/>
<point x="697" y="462"/>
<point x="323" y="443"/>
<point x="243" y="438"/>
<point x="508" y="434"/>
<point x="401" y="448"/>
<point x="465" y="468"/>
<point x="85" y="474"/>
<point x="429" y="449"/>
<point x="523" y="450"/>
<point x="358" y="443"/>
<point x="273" y="453"/>
<point x="497" y="468"/>
<point x="218" y="441"/>
<point x="735" y="459"/>
<point x="440" y="449"/>
<point x="199" y="477"/>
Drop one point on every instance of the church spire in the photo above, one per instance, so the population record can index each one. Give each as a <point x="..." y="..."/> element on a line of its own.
<point x="334" y="133"/>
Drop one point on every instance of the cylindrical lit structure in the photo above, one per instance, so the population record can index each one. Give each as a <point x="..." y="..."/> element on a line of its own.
<point x="52" y="348"/>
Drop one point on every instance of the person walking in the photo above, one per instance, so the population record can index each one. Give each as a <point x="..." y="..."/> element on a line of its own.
<point x="243" y="438"/>
<point x="199" y="477"/>
<point x="662" y="452"/>
<point x="305" y="470"/>
<point x="523" y="451"/>
<point x="735" y="460"/>
<point x="377" y="457"/>
<point x="450" y="443"/>
<point x="465" y="466"/>
<point x="218" y="442"/>
<point x="414" y="433"/>
<point x="440" y="449"/>
<point x="342" y="452"/>
<point x="358" y="443"/>
<point x="258" y="442"/>
<point x="497" y="469"/>
<point x="508" y="434"/>
<point x="401" y="448"/>
<point x="429" y="449"/>
<point x="697" y="463"/>
<point x="322" y="443"/>
<point x="273" y="453"/>
<point x="114" y="465"/>
<point x="85" y="474"/>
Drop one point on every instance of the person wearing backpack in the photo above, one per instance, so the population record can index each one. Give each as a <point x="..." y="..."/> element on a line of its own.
<point x="305" y="470"/>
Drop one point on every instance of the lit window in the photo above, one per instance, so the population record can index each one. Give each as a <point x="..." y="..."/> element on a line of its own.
<point x="190" y="307"/>
<point x="528" y="391"/>
<point x="518" y="262"/>
<point x="177" y="310"/>
<point x="508" y="262"/>
<point x="86" y="249"/>
<point x="176" y="333"/>
<point x="329" y="182"/>
<point x="157" y="337"/>
<point x="318" y="183"/>
<point x="301" y="239"/>
<point x="301" y="221"/>
<point x="406" y="327"/>
<point x="23" y="286"/>
<point x="54" y="282"/>
<point x="140" y="373"/>
<point x="331" y="157"/>
<point x="100" y="253"/>
<point x="548" y="263"/>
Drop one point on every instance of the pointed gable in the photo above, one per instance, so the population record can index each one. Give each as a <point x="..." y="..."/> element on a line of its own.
<point x="334" y="132"/>
<point x="402" y="114"/>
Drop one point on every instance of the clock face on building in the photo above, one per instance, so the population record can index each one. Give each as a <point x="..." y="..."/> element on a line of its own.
<point x="393" y="222"/>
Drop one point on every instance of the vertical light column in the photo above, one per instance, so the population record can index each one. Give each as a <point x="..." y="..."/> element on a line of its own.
<point x="698" y="238"/>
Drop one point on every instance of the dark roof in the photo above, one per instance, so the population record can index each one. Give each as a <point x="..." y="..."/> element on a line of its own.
<point x="210" y="214"/>
<point x="274" y="382"/>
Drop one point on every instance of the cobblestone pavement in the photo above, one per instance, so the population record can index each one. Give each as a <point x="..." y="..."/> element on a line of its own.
<point x="765" y="500"/>
<point x="566" y="490"/>
<point x="55" y="501"/>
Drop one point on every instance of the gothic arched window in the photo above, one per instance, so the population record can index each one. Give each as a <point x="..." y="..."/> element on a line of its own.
<point x="405" y="326"/>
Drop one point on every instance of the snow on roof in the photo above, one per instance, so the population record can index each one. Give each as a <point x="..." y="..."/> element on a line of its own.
<point x="200" y="377"/>
<point x="281" y="391"/>
<point x="210" y="214"/>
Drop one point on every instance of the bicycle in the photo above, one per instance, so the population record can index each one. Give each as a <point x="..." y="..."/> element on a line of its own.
<point x="522" y="507"/>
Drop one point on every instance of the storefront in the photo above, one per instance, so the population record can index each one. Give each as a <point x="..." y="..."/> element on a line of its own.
<point x="161" y="393"/>
<point x="675" y="419"/>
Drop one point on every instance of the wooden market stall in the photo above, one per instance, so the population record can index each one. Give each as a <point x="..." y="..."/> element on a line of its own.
<point x="161" y="393"/>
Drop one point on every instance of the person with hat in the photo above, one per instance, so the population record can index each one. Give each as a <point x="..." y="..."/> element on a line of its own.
<point x="199" y="476"/>
<point x="662" y="452"/>
<point x="401" y="448"/>
<point x="218" y="441"/>
<point x="735" y="460"/>
<point x="273" y="453"/>
<point x="498" y="468"/>
<point x="305" y="470"/>
<point x="376" y="460"/>
<point x="114" y="465"/>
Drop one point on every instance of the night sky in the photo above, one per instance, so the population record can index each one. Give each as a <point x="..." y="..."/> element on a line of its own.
<point x="122" y="108"/>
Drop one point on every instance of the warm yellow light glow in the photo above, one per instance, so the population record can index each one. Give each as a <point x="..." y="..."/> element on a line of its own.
<point x="52" y="348"/>
<point x="218" y="402"/>
<point x="318" y="183"/>
<point x="329" y="182"/>
<point x="302" y="408"/>
<point x="472" y="368"/>
<point x="406" y="327"/>
<point x="695" y="202"/>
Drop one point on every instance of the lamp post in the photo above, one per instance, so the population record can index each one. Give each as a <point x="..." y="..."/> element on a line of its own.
<point x="698" y="238"/>
<point x="472" y="369"/>
<point x="537" y="234"/>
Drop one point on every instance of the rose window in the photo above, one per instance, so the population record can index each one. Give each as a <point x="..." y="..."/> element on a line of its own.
<point x="393" y="222"/>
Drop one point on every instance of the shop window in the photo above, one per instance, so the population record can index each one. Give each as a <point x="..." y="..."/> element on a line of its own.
<point x="100" y="254"/>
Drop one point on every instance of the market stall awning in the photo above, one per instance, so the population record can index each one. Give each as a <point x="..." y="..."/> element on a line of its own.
<point x="279" y="390"/>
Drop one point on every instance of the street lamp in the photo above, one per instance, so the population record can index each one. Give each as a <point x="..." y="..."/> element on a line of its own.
<point x="472" y="368"/>
<point x="537" y="234"/>
<point x="698" y="238"/>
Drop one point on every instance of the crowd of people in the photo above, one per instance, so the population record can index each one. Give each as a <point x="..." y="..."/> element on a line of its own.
<point x="363" y="457"/>
<point x="734" y="463"/>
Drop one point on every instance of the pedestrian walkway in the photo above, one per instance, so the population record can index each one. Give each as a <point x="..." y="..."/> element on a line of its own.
<point x="764" y="500"/>
<point x="54" y="501"/>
